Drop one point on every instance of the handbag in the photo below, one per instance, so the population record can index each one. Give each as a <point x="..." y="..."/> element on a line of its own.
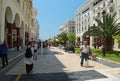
<point x="34" y="57"/>
<point x="80" y="55"/>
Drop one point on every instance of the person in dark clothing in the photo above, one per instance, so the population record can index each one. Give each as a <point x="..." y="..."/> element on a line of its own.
<point x="18" y="47"/>
<point x="103" y="50"/>
<point x="4" y="52"/>
<point x="28" y="57"/>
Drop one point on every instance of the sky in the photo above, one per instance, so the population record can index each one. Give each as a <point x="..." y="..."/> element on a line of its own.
<point x="54" y="13"/>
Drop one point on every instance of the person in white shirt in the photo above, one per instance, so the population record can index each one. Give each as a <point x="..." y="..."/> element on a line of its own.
<point x="84" y="52"/>
<point x="28" y="58"/>
<point x="35" y="47"/>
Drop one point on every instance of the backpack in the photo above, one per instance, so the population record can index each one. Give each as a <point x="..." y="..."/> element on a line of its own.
<point x="28" y="53"/>
<point x="0" y="51"/>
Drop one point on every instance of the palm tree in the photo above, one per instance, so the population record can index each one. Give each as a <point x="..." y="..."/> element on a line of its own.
<point x="105" y="29"/>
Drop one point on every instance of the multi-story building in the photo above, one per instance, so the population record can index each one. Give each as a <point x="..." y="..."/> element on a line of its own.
<point x="89" y="11"/>
<point x="83" y="20"/>
<point x="18" y="22"/>
<point x="68" y="26"/>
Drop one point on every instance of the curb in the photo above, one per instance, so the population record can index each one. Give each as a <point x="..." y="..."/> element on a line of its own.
<point x="108" y="60"/>
<point x="10" y="60"/>
<point x="16" y="57"/>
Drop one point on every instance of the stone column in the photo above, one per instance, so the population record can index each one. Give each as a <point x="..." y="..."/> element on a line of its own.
<point x="18" y="39"/>
<point x="97" y="41"/>
<point x="18" y="36"/>
<point x="25" y="38"/>
<point x="10" y="35"/>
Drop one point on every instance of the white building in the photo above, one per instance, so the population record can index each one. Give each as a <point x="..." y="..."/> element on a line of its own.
<point x="91" y="9"/>
<point x="18" y="22"/>
<point x="68" y="26"/>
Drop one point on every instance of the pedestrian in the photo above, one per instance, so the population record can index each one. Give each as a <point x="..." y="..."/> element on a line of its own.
<point x="84" y="53"/>
<point x="103" y="50"/>
<point x="4" y="53"/>
<point x="35" y="47"/>
<point x="28" y="57"/>
<point x="34" y="57"/>
<point x="0" y="51"/>
<point x="89" y="53"/>
<point x="18" y="47"/>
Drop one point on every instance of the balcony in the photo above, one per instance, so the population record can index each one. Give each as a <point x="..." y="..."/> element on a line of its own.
<point x="95" y="3"/>
<point x="110" y="3"/>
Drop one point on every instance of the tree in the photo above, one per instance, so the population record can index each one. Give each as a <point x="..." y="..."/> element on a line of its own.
<point x="64" y="37"/>
<point x="105" y="29"/>
<point x="60" y="40"/>
<point x="117" y="37"/>
<point x="71" y="37"/>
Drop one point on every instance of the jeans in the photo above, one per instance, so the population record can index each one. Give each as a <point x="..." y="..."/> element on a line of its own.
<point x="84" y="56"/>
<point x="4" y="60"/>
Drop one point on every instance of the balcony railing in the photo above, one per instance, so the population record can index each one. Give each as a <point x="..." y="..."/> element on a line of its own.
<point x="97" y="2"/>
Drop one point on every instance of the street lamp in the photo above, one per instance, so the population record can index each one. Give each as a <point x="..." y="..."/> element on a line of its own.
<point x="104" y="21"/>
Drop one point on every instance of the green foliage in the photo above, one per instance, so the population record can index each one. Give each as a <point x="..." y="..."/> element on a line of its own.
<point x="77" y="50"/>
<point x="71" y="37"/>
<point x="114" y="56"/>
<point x="105" y="29"/>
<point x="63" y="38"/>
<point x="117" y="37"/>
<point x="60" y="39"/>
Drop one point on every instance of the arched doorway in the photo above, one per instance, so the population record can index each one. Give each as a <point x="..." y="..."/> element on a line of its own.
<point x="26" y="35"/>
<point x="22" y="34"/>
<point x="17" y="29"/>
<point x="8" y="26"/>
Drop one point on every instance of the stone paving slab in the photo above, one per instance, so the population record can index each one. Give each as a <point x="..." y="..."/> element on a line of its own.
<point x="109" y="63"/>
<point x="62" y="76"/>
<point x="108" y="71"/>
<point x="13" y="54"/>
<point x="56" y="65"/>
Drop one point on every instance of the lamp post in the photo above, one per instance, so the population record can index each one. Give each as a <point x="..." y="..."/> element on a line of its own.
<point x="104" y="20"/>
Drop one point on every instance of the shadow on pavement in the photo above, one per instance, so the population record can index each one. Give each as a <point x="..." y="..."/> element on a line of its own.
<point x="61" y="76"/>
<point x="49" y="68"/>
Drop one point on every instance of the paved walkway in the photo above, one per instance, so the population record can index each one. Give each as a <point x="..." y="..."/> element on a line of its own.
<point x="13" y="54"/>
<point x="56" y="65"/>
<point x="113" y="73"/>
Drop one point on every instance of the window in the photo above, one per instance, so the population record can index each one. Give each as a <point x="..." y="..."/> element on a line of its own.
<point x="98" y="15"/>
<point x="111" y="1"/>
<point x="119" y="13"/>
<point x="18" y="2"/>
<point x="111" y="9"/>
<point x="104" y="4"/>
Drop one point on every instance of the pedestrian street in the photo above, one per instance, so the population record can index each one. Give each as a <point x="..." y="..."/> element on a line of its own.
<point x="53" y="64"/>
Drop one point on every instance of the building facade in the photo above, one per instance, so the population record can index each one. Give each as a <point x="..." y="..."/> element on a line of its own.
<point x="68" y="26"/>
<point x="89" y="11"/>
<point x="18" y="23"/>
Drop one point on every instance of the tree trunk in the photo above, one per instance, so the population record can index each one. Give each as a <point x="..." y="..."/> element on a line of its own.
<point x="109" y="44"/>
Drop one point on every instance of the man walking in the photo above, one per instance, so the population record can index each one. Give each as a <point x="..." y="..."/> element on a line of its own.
<point x="4" y="52"/>
<point x="84" y="53"/>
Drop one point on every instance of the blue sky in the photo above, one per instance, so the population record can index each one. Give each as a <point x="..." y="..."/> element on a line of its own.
<point x="53" y="13"/>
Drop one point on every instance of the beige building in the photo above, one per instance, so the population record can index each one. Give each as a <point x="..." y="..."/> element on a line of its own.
<point x="68" y="26"/>
<point x="89" y="11"/>
<point x="18" y="22"/>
